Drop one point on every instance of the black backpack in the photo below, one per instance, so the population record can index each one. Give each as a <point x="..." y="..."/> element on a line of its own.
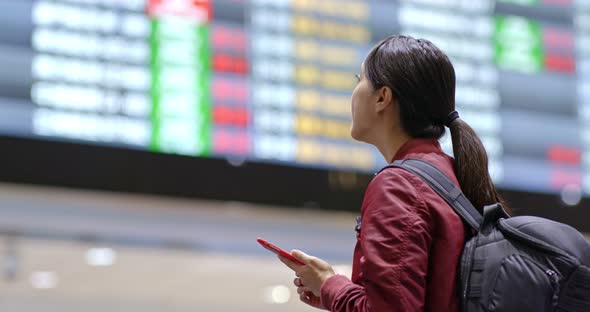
<point x="513" y="264"/>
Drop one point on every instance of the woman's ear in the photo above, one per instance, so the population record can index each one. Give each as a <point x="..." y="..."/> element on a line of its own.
<point x="384" y="98"/>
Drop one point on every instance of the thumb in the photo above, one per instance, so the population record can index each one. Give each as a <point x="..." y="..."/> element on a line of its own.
<point x="300" y="255"/>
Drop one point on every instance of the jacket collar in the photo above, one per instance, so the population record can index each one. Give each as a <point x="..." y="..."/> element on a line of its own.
<point x="417" y="146"/>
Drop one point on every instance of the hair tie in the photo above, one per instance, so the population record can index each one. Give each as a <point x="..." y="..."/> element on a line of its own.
<point x="454" y="115"/>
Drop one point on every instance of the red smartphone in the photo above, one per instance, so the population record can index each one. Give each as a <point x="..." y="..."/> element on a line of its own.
<point x="278" y="251"/>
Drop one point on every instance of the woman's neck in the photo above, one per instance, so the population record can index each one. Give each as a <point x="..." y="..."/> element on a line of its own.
<point x="390" y="144"/>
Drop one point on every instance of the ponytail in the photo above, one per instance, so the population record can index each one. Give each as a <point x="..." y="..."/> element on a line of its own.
<point x="471" y="167"/>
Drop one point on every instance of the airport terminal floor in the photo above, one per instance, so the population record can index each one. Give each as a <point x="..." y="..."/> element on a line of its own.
<point x="70" y="250"/>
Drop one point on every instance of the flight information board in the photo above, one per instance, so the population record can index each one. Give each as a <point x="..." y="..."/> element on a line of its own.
<point x="270" y="80"/>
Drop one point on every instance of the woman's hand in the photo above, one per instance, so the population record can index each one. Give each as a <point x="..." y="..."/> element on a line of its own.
<point x="310" y="277"/>
<point x="307" y="297"/>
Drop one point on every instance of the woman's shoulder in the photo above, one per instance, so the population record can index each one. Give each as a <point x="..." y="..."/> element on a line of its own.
<point x="393" y="193"/>
<point x="401" y="188"/>
<point x="394" y="179"/>
<point x="396" y="184"/>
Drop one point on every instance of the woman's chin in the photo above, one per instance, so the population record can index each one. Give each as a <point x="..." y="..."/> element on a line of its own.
<point x="356" y="135"/>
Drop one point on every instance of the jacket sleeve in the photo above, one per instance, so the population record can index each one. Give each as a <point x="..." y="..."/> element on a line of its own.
<point x="395" y="240"/>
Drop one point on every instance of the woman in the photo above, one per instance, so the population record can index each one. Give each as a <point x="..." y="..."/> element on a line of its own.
<point x="410" y="240"/>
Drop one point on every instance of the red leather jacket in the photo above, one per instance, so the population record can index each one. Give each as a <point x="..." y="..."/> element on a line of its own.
<point x="408" y="246"/>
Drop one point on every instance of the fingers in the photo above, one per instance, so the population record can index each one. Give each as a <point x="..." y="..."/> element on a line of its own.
<point x="302" y="289"/>
<point x="305" y="258"/>
<point x="305" y="298"/>
<point x="305" y="295"/>
<point x="297" y="282"/>
<point x="292" y="265"/>
<point x="301" y="255"/>
<point x="310" y="299"/>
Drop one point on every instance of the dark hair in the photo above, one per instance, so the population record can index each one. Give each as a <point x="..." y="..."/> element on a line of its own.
<point x="422" y="80"/>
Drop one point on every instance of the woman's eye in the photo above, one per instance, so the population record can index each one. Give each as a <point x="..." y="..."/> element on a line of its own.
<point x="358" y="77"/>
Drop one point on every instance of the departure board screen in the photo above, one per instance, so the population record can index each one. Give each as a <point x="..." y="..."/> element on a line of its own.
<point x="270" y="80"/>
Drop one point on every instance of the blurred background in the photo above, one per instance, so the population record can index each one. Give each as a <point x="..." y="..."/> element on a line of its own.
<point x="146" y="144"/>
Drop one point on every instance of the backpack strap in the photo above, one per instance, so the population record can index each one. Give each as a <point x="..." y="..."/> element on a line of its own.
<point x="443" y="187"/>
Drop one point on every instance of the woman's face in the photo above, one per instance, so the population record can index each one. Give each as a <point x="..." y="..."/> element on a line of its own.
<point x="364" y="114"/>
